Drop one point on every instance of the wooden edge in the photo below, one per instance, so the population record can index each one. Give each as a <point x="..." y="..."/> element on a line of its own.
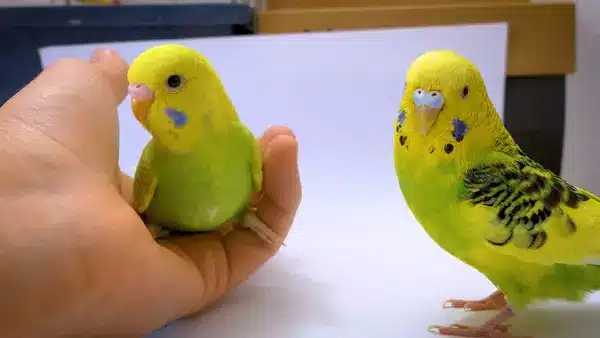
<point x="541" y="38"/>
<point x="312" y="4"/>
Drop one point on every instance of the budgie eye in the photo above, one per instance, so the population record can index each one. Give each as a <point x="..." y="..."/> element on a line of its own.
<point x="174" y="81"/>
<point x="465" y="92"/>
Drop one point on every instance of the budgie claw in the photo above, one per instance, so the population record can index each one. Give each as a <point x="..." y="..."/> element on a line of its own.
<point x="495" y="301"/>
<point x="252" y="222"/>
<point x="157" y="231"/>
<point x="493" y="328"/>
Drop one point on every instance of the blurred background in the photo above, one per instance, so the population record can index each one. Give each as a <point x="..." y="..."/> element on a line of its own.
<point x="552" y="82"/>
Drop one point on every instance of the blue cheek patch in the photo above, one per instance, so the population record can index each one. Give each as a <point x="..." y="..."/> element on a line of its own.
<point x="179" y="118"/>
<point x="459" y="130"/>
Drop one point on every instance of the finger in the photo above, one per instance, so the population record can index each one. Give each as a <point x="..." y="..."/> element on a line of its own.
<point x="114" y="70"/>
<point x="271" y="133"/>
<point x="73" y="103"/>
<point x="245" y="251"/>
<point x="126" y="187"/>
<point x="281" y="188"/>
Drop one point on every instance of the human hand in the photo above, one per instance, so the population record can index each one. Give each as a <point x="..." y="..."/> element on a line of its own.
<point x="76" y="260"/>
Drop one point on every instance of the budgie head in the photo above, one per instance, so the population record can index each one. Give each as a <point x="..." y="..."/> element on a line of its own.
<point x="177" y="96"/>
<point x="442" y="88"/>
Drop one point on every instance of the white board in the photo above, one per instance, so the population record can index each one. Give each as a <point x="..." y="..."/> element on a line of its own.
<point x="357" y="264"/>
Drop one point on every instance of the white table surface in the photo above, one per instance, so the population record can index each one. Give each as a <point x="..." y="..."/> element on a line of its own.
<point x="356" y="263"/>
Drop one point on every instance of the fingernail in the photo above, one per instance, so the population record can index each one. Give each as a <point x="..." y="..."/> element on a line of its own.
<point x="434" y="329"/>
<point x="101" y="54"/>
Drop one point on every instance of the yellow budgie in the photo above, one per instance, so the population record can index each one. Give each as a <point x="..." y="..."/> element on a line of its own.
<point x="479" y="197"/>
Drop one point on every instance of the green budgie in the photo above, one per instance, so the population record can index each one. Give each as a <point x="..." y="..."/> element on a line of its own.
<point x="202" y="163"/>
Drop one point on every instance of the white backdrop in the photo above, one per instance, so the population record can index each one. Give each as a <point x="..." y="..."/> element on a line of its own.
<point x="357" y="264"/>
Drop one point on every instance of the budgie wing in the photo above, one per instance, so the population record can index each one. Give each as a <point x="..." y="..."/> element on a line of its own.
<point x="523" y="204"/>
<point x="248" y="140"/>
<point x="144" y="180"/>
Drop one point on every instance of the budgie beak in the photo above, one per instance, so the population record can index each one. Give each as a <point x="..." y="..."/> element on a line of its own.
<point x="427" y="108"/>
<point x="426" y="117"/>
<point x="141" y="100"/>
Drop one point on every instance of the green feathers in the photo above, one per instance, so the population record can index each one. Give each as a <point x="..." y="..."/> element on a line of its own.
<point x="201" y="189"/>
<point x="202" y="164"/>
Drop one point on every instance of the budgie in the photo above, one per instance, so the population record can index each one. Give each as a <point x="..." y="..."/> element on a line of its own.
<point x="483" y="200"/>
<point x="202" y="163"/>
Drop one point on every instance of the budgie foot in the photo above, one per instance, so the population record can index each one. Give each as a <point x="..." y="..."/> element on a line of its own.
<point x="157" y="231"/>
<point x="493" y="328"/>
<point x="495" y="301"/>
<point x="252" y="222"/>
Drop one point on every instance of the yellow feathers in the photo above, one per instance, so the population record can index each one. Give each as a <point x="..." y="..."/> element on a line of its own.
<point x="176" y="94"/>
<point x="480" y="197"/>
<point x="465" y="101"/>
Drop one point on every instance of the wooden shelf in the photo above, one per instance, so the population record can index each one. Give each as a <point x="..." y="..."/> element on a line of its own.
<point x="541" y="37"/>
<point x="312" y="4"/>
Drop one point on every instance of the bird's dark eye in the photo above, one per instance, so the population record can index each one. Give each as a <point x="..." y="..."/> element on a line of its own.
<point x="465" y="92"/>
<point x="174" y="81"/>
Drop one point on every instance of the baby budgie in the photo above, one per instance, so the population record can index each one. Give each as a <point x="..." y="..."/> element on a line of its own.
<point x="484" y="201"/>
<point x="202" y="164"/>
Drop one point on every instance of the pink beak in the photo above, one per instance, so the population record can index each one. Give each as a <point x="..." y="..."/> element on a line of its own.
<point x="140" y="92"/>
<point x="141" y="100"/>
